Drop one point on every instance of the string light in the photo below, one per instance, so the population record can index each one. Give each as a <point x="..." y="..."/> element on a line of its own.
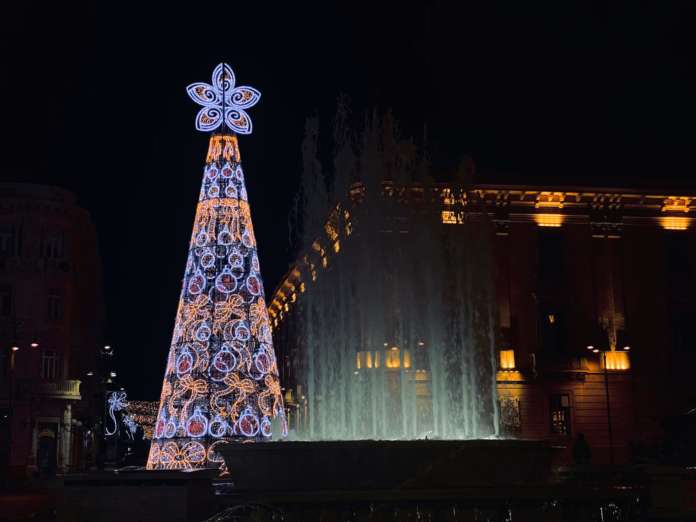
<point x="221" y="380"/>
<point x="117" y="402"/>
<point x="222" y="102"/>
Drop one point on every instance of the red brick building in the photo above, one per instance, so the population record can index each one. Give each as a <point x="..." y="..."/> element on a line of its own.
<point x="51" y="319"/>
<point x="593" y="288"/>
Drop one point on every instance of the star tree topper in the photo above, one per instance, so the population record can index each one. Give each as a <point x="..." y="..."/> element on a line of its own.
<point x="223" y="103"/>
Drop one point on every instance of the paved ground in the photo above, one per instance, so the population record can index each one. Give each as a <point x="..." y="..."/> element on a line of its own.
<point x="32" y="506"/>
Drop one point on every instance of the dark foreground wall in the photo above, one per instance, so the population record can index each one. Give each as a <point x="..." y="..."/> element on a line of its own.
<point x="360" y="465"/>
<point x="138" y="496"/>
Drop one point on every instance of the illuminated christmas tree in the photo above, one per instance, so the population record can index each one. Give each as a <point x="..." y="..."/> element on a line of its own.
<point x="221" y="381"/>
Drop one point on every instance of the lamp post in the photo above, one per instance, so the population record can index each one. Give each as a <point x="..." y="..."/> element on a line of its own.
<point x="14" y="348"/>
<point x="107" y="452"/>
<point x="599" y="338"/>
<point x="622" y="341"/>
<point x="606" y="394"/>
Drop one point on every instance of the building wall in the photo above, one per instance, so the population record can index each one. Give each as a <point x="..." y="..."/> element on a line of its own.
<point x="613" y="263"/>
<point x="50" y="279"/>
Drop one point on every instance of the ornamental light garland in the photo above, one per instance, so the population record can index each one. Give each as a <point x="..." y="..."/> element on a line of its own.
<point x="221" y="380"/>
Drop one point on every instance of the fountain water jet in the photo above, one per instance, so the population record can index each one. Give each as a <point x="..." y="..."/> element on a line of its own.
<point x="395" y="332"/>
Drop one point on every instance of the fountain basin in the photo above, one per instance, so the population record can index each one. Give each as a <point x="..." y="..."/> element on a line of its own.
<point x="385" y="464"/>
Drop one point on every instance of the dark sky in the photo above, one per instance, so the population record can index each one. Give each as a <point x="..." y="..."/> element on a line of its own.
<point x="94" y="100"/>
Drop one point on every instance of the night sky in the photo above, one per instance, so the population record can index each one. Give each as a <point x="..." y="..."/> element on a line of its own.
<point x="94" y="101"/>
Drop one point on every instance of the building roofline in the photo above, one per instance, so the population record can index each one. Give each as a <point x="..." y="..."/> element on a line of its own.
<point x="17" y="190"/>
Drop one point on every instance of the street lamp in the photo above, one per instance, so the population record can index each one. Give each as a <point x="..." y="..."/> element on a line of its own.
<point x="13" y="351"/>
<point x="599" y="339"/>
<point x="623" y="340"/>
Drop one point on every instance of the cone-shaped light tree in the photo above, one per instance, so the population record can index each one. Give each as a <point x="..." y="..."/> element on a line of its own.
<point x="221" y="380"/>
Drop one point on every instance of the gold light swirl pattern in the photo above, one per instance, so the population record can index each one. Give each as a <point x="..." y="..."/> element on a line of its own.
<point x="221" y="381"/>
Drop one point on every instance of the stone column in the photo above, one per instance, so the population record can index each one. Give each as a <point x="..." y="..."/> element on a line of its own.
<point x="66" y="441"/>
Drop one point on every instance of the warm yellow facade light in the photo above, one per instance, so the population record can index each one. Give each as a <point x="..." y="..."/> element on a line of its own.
<point x="367" y="360"/>
<point x="550" y="200"/>
<point x="549" y="220"/>
<point x="616" y="360"/>
<point x="507" y="359"/>
<point x="676" y="204"/>
<point x="675" y="222"/>
<point x="394" y="358"/>
<point x="449" y="217"/>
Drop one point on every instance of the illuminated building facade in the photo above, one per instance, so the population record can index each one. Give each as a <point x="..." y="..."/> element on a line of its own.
<point x="51" y="320"/>
<point x="594" y="301"/>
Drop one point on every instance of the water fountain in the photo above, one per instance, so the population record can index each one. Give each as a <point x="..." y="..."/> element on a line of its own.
<point x="398" y="334"/>
<point x="392" y="336"/>
<point x="395" y="334"/>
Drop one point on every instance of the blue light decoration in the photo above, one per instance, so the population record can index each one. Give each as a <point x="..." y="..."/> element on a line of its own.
<point x="116" y="402"/>
<point x="221" y="381"/>
<point x="223" y="102"/>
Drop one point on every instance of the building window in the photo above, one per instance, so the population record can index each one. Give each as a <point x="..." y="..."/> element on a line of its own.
<point x="55" y="306"/>
<point x="677" y="249"/>
<point x="52" y="247"/>
<point x="50" y="369"/>
<point x="560" y="414"/>
<point x="551" y="265"/>
<point x="5" y="301"/>
<point x="7" y="240"/>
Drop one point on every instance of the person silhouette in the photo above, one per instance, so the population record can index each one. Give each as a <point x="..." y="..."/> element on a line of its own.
<point x="581" y="451"/>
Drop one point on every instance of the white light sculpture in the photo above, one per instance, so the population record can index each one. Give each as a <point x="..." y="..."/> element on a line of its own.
<point x="223" y="103"/>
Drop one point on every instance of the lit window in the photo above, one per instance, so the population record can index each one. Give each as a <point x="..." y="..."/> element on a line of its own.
<point x="395" y="358"/>
<point x="616" y="360"/>
<point x="560" y="414"/>
<point x="49" y="365"/>
<point x="367" y="360"/>
<point x="449" y="217"/>
<point x="507" y="359"/>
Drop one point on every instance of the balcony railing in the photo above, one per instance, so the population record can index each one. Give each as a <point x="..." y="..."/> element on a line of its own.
<point x="63" y="389"/>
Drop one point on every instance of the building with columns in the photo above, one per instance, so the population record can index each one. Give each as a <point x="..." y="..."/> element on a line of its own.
<point x="51" y="320"/>
<point x="593" y="295"/>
